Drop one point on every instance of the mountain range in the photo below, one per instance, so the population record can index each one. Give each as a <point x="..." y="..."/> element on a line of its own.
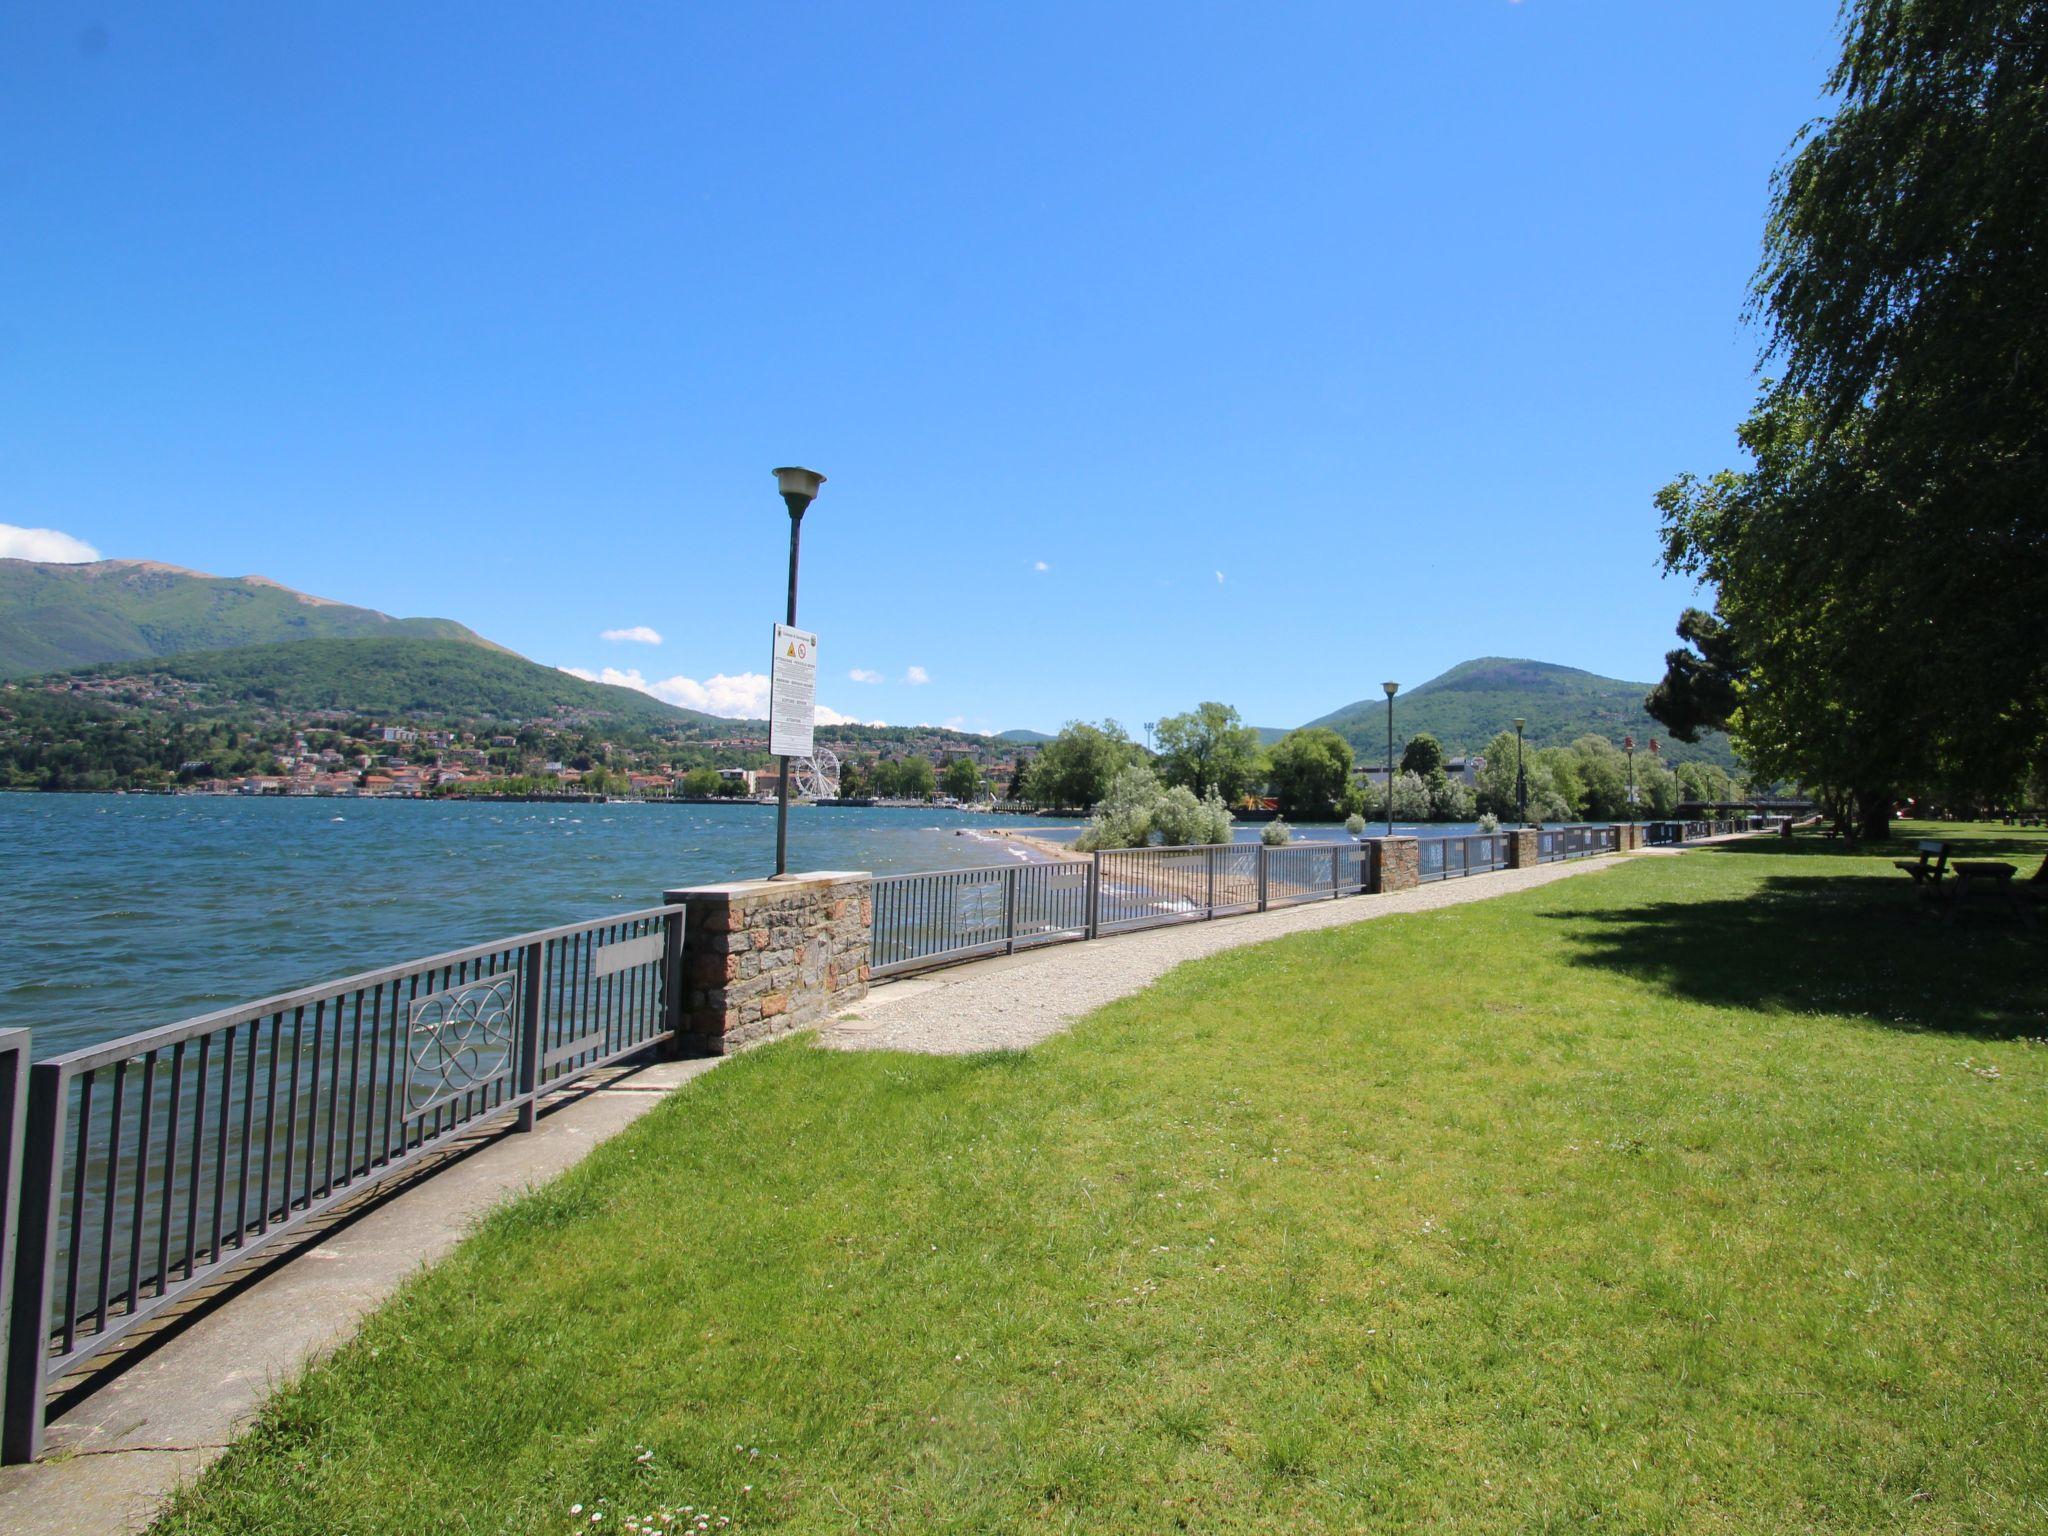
<point x="251" y="638"/>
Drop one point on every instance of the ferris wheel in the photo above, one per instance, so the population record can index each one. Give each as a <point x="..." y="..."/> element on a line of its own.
<point x="815" y="777"/>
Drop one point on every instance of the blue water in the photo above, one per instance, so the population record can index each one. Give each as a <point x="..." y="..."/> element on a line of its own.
<point x="122" y="912"/>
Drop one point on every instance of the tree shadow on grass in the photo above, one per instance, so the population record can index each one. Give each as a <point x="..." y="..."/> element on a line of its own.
<point x="1856" y="944"/>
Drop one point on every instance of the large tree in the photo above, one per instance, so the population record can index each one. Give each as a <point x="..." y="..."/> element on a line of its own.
<point x="1311" y="768"/>
<point x="1210" y="748"/>
<point x="1882" y="567"/>
<point x="1074" y="769"/>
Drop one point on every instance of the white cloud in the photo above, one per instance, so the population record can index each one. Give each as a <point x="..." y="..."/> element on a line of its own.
<point x="827" y="715"/>
<point x="45" y="544"/>
<point x="917" y="677"/>
<point x="865" y="675"/>
<point x="739" y="696"/>
<point x="1040" y="565"/>
<point x="637" y="634"/>
<point x="1219" y="578"/>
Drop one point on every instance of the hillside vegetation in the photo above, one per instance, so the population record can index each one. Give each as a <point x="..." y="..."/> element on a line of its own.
<point x="57" y="617"/>
<point x="423" y="680"/>
<point x="1465" y="707"/>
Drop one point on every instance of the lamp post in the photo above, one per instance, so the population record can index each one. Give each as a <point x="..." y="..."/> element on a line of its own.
<point x="799" y="488"/>
<point x="1392" y="689"/>
<point x="1521" y="778"/>
<point x="1630" y="743"/>
<point x="1148" y="734"/>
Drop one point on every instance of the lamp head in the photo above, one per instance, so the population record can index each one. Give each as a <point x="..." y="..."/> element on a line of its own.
<point x="1519" y="723"/>
<point x="799" y="487"/>
<point x="1392" y="688"/>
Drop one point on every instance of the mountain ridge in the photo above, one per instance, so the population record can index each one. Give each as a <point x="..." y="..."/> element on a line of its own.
<point x="1465" y="706"/>
<point x="59" y="617"/>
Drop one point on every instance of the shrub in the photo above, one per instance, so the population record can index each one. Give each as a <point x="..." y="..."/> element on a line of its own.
<point x="1276" y="834"/>
<point x="1179" y="818"/>
<point x="1489" y="822"/>
<point x="1354" y="823"/>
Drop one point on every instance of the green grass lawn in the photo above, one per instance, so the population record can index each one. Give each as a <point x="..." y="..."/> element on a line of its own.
<point x="1697" y="1194"/>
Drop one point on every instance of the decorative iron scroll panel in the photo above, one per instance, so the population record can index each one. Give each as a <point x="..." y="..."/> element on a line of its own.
<point x="460" y="1040"/>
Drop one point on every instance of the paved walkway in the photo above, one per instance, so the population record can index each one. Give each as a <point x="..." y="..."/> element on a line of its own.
<point x="1018" y="1000"/>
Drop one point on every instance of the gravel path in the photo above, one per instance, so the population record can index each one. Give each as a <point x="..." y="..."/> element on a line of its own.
<point x="1018" y="1000"/>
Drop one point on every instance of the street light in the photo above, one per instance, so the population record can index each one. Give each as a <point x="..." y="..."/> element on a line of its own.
<point x="799" y="488"/>
<point x="1521" y="778"/>
<point x="1392" y="689"/>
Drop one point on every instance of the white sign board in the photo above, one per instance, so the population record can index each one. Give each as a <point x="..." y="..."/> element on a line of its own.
<point x="792" y="692"/>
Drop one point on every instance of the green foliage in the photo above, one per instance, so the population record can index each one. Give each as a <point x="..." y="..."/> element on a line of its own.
<point x="700" y="783"/>
<point x="903" y="778"/>
<point x="57" y="617"/>
<point x="1137" y="807"/>
<point x="1354" y="824"/>
<point x="1882" y="567"/>
<point x="1123" y="812"/>
<point x="1310" y="769"/>
<point x="963" y="779"/>
<point x="1182" y="820"/>
<point x="1210" y="748"/>
<point x="1276" y="834"/>
<point x="1423" y="755"/>
<point x="1074" y="769"/>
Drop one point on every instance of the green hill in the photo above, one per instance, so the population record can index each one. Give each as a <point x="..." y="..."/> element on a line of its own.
<point x="55" y="618"/>
<point x="424" y="680"/>
<point x="1465" y="706"/>
<point x="1029" y="738"/>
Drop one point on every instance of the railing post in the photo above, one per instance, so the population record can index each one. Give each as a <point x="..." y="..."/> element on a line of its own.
<point x="1095" y="894"/>
<point x="14" y="1060"/>
<point x="672" y="980"/>
<point x="1262" y="874"/>
<point x="1336" y="871"/>
<point x="1010" y="910"/>
<point x="531" y="962"/>
<point x="1211" y="890"/>
<point x="35" y="1254"/>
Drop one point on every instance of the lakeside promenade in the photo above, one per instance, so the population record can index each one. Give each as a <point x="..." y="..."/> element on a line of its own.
<point x="119" y="1453"/>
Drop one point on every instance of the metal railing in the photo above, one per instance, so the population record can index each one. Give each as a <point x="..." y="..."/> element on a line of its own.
<point x="947" y="915"/>
<point x="1664" y="834"/>
<point x="1447" y="858"/>
<point x="959" y="913"/>
<point x="154" y="1163"/>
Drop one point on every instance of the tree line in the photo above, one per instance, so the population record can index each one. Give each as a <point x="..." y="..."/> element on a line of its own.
<point x="1212" y="756"/>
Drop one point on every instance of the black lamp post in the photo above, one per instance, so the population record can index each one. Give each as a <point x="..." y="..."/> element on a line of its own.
<point x="799" y="489"/>
<point x="1521" y="778"/>
<point x="1392" y="689"/>
<point x="1630" y="743"/>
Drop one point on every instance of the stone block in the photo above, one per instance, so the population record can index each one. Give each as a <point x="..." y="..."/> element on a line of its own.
<point x="764" y="957"/>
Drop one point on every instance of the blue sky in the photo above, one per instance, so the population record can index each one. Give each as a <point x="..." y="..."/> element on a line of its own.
<point x="1154" y="352"/>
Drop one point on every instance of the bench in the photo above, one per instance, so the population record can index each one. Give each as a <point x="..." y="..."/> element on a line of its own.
<point x="1927" y="870"/>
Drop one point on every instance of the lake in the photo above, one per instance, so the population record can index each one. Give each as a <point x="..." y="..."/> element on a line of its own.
<point x="128" y="911"/>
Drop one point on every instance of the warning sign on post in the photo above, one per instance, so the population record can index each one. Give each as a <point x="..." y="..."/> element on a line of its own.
<point x="793" y="692"/>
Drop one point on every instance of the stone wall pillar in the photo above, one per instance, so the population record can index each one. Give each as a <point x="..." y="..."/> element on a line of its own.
<point x="1631" y="837"/>
<point x="1396" y="864"/>
<point x="764" y="957"/>
<point x="1525" y="847"/>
